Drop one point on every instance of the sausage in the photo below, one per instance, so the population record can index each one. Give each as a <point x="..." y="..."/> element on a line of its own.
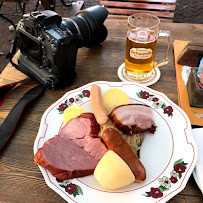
<point x="97" y="105"/>
<point x="115" y="142"/>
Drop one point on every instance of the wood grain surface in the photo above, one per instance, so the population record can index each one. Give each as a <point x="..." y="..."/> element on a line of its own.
<point x="159" y="8"/>
<point x="20" y="179"/>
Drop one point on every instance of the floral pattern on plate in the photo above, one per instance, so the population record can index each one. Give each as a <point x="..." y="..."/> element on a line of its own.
<point x="166" y="182"/>
<point x="70" y="188"/>
<point x="157" y="104"/>
<point x="78" y="99"/>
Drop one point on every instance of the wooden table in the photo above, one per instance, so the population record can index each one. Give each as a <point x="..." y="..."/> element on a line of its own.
<point x="20" y="179"/>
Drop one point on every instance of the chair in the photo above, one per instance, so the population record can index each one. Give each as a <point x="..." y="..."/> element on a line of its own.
<point x="121" y="9"/>
<point x="50" y="4"/>
<point x="20" y="3"/>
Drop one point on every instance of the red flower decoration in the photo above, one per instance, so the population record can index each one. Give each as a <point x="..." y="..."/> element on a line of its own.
<point x="155" y="99"/>
<point x="173" y="179"/>
<point x="71" y="100"/>
<point x="145" y="95"/>
<point x="155" y="193"/>
<point x="71" y="188"/>
<point x="63" y="106"/>
<point x="168" y="110"/>
<point x="179" y="168"/>
<point x="86" y="93"/>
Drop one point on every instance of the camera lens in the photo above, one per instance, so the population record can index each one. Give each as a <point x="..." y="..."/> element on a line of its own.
<point x="88" y="24"/>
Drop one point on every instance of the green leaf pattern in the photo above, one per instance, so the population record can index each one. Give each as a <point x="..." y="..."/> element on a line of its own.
<point x="162" y="188"/>
<point x="79" y="189"/>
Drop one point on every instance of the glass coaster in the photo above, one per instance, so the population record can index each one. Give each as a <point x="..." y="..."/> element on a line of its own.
<point x="147" y="82"/>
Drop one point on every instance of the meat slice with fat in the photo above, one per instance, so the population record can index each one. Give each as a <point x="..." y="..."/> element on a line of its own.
<point x="65" y="159"/>
<point x="83" y="125"/>
<point x="84" y="130"/>
<point x="133" y="118"/>
<point x="94" y="146"/>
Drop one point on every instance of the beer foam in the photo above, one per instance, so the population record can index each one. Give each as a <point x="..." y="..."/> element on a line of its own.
<point x="142" y="35"/>
<point x="133" y="35"/>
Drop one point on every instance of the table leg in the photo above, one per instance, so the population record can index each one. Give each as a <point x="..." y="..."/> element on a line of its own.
<point x="1" y="3"/>
<point x="22" y="7"/>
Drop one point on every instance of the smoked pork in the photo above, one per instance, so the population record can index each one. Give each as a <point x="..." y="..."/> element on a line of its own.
<point x="84" y="130"/>
<point x="75" y="152"/>
<point x="83" y="125"/>
<point x="65" y="159"/>
<point x="133" y="118"/>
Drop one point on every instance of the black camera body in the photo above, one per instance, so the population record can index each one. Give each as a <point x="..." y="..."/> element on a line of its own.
<point x="49" y="45"/>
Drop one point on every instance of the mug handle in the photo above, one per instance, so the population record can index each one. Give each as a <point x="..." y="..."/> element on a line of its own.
<point x="164" y="33"/>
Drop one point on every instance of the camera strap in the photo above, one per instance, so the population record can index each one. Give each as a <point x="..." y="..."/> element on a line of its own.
<point x="12" y="52"/>
<point x="9" y="124"/>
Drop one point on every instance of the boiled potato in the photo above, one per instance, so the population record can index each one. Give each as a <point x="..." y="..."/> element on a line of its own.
<point x="114" y="97"/>
<point x="72" y="112"/>
<point x="112" y="172"/>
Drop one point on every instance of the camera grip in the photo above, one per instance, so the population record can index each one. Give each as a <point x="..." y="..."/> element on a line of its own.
<point x="50" y="80"/>
<point x="33" y="71"/>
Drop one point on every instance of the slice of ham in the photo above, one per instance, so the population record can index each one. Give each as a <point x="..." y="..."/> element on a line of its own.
<point x="83" y="125"/>
<point x="133" y="118"/>
<point x="84" y="130"/>
<point x="94" y="146"/>
<point x="65" y="159"/>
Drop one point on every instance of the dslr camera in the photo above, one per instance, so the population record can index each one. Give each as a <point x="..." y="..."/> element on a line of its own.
<point x="49" y="45"/>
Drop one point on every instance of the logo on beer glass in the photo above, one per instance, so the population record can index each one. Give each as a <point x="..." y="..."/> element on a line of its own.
<point x="140" y="53"/>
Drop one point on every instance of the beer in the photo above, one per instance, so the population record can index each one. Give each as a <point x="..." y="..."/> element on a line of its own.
<point x="140" y="52"/>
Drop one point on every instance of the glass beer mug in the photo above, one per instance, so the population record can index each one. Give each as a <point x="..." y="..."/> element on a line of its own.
<point x="142" y="36"/>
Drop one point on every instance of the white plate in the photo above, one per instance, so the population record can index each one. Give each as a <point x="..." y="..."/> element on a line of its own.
<point x="171" y="151"/>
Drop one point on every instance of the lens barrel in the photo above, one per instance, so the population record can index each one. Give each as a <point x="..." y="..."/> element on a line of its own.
<point x="98" y="13"/>
<point x="88" y="24"/>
